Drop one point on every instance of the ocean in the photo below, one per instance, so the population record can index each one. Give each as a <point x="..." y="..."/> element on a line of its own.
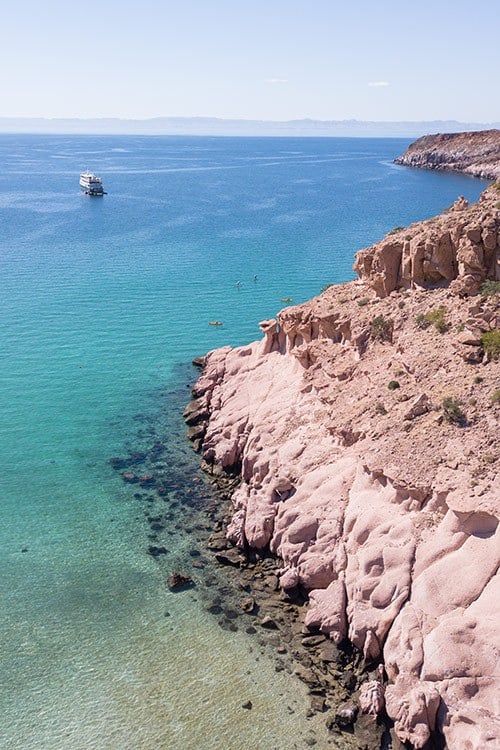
<point x="103" y="304"/>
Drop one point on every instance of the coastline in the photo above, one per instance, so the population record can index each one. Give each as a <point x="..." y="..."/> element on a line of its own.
<point x="333" y="673"/>
<point x="239" y="590"/>
<point x="473" y="153"/>
<point x="244" y="422"/>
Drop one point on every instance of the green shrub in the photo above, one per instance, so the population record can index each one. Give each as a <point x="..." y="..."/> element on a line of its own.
<point x="490" y="341"/>
<point x="363" y="302"/>
<point x="495" y="396"/>
<point x="452" y="411"/>
<point x="478" y="379"/>
<point x="437" y="319"/>
<point x="490" y="288"/>
<point x="380" y="408"/>
<point x="392" y="385"/>
<point x="396" y="230"/>
<point x="434" y="317"/>
<point x="381" y="328"/>
<point x="324" y="288"/>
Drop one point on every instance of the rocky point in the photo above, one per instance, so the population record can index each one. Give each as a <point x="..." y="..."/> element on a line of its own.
<point x="476" y="153"/>
<point x="364" y="428"/>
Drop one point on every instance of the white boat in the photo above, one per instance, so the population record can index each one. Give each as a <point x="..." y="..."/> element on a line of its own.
<point x="91" y="184"/>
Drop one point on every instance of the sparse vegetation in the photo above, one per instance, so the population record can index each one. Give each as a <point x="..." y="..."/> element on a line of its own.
<point x="490" y="288"/>
<point x="495" y="396"/>
<point x="478" y="379"/>
<point x="490" y="341"/>
<point x="401" y="304"/>
<point x="489" y="458"/>
<point x="422" y="322"/>
<point x="324" y="288"/>
<point x="452" y="411"/>
<point x="434" y="317"/>
<point x="381" y="328"/>
<point x="396" y="230"/>
<point x="380" y="408"/>
<point x="392" y="385"/>
<point x="363" y="301"/>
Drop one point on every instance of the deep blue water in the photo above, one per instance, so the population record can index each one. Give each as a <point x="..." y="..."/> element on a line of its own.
<point x="103" y="303"/>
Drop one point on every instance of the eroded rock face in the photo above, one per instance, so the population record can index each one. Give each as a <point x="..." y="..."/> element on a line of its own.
<point x="461" y="246"/>
<point x="389" y="523"/>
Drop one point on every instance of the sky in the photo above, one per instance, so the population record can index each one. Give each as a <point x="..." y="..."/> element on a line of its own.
<point x="252" y="59"/>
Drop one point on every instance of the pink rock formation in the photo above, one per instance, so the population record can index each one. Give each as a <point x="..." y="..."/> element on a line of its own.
<point x="462" y="246"/>
<point x="372" y="697"/>
<point x="381" y="508"/>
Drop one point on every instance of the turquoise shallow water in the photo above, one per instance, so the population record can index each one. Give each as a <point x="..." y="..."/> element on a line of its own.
<point x="103" y="303"/>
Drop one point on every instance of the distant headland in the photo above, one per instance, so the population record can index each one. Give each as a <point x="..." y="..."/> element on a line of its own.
<point x="477" y="154"/>
<point x="214" y="126"/>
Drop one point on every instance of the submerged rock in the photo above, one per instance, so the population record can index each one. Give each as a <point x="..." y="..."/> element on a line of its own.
<point x="130" y="477"/>
<point x="155" y="551"/>
<point x="176" y="581"/>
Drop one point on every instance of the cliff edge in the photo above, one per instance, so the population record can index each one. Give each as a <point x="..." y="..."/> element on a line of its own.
<point x="461" y="246"/>
<point x="475" y="153"/>
<point x="365" y="431"/>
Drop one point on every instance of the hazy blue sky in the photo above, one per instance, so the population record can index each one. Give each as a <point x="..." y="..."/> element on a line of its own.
<point x="272" y="59"/>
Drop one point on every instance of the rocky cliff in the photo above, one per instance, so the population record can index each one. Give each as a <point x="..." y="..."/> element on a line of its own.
<point x="365" y="431"/>
<point x="476" y="153"/>
<point x="461" y="246"/>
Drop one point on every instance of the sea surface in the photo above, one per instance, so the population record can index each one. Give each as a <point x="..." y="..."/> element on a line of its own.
<point x="103" y="304"/>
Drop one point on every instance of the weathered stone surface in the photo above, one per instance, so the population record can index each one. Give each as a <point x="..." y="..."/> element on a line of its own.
<point x="418" y="406"/>
<point x="372" y="697"/>
<point x="268" y="623"/>
<point x="229" y="557"/>
<point x="461" y="246"/>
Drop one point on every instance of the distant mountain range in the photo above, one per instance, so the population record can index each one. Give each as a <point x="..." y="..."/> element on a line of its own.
<point x="217" y="126"/>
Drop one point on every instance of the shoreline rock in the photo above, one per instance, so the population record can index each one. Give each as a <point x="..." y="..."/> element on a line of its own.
<point x="387" y="525"/>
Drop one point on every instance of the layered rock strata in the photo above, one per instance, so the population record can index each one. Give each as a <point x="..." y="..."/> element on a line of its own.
<point x="461" y="246"/>
<point x="475" y="153"/>
<point x="367" y="447"/>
